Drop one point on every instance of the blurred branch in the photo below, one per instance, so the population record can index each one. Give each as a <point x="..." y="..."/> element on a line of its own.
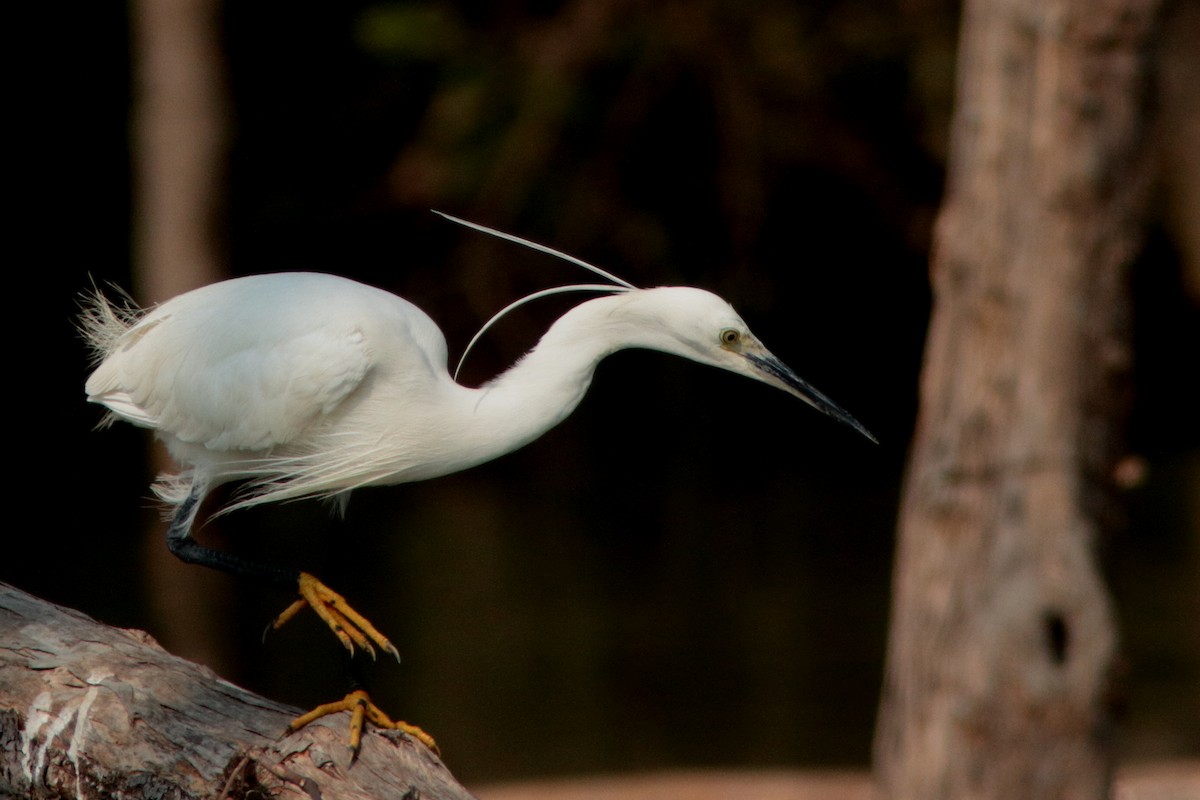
<point x="179" y="132"/>
<point x="1179" y="130"/>
<point x="178" y="146"/>
<point x="91" y="711"/>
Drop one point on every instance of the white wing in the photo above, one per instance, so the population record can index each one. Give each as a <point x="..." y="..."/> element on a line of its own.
<point x="251" y="363"/>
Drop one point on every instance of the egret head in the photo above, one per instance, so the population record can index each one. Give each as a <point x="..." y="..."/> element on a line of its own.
<point x="688" y="322"/>
<point x="701" y="326"/>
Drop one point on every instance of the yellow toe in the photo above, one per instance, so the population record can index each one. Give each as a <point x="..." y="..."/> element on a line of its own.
<point x="361" y="709"/>
<point x="351" y="628"/>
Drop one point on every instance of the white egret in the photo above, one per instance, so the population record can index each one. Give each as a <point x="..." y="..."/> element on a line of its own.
<point x="309" y="385"/>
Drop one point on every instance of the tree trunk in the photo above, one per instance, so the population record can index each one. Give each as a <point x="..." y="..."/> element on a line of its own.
<point x="179" y="129"/>
<point x="1002" y="638"/>
<point x="93" y="712"/>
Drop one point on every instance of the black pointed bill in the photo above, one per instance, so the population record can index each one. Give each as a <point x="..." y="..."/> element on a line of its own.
<point x="775" y="371"/>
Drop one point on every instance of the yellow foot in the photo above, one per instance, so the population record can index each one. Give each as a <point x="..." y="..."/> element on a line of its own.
<point x="348" y="625"/>
<point x="359" y="704"/>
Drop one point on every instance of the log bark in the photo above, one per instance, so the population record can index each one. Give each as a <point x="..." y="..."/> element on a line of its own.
<point x="1002" y="640"/>
<point x="90" y="711"/>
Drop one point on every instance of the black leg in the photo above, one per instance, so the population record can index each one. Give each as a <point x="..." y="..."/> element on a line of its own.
<point x="351" y="628"/>
<point x="187" y="549"/>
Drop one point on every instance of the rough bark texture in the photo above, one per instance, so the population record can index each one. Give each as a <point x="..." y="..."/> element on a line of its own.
<point x="88" y="711"/>
<point x="1002" y="637"/>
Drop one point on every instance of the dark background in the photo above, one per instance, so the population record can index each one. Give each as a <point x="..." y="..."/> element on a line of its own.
<point x="693" y="569"/>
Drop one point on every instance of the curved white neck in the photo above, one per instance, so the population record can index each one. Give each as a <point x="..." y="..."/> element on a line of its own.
<point x="549" y="381"/>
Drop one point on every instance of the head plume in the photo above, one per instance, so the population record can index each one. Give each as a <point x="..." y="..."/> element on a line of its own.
<point x="618" y="284"/>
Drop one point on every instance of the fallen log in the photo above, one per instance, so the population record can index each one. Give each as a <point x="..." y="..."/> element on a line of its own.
<point x="91" y="711"/>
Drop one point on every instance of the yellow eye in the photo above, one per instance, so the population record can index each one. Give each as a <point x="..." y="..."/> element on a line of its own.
<point x="730" y="337"/>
